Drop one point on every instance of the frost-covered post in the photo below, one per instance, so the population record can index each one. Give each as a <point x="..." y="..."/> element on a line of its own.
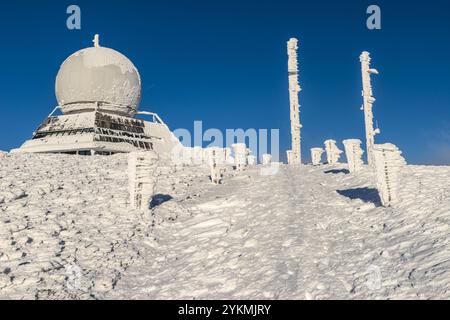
<point x="316" y="156"/>
<point x="266" y="159"/>
<point x="388" y="162"/>
<point x="251" y="160"/>
<point x="333" y="152"/>
<point x="289" y="156"/>
<point x="142" y="178"/>
<point x="216" y="160"/>
<point x="240" y="156"/>
<point x="354" y="154"/>
<point x="215" y="155"/>
<point x="294" y="89"/>
<point x="368" y="98"/>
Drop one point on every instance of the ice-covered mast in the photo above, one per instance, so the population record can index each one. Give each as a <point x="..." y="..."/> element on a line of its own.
<point x="294" y="89"/>
<point x="96" y="41"/>
<point x="368" y="104"/>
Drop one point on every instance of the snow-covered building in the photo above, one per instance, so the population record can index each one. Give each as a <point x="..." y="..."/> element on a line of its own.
<point x="99" y="91"/>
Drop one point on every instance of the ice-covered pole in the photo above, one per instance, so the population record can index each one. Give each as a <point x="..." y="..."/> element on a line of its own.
<point x="216" y="161"/>
<point x="354" y="154"/>
<point x="368" y="98"/>
<point x="388" y="163"/>
<point x="316" y="156"/>
<point x="266" y="159"/>
<point x="294" y="89"/>
<point x="142" y="179"/>
<point x="96" y="41"/>
<point x="333" y="152"/>
<point x="240" y="156"/>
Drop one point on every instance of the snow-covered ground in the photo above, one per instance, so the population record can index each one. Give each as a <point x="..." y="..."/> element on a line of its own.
<point x="304" y="233"/>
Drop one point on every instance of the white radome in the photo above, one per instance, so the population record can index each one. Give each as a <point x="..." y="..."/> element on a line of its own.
<point x="98" y="77"/>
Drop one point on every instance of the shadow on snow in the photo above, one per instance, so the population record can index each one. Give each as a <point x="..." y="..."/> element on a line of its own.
<point x="365" y="194"/>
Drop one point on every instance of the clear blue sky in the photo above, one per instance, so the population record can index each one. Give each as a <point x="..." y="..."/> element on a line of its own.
<point x="224" y="62"/>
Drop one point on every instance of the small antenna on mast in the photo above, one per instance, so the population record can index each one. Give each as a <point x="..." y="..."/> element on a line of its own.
<point x="96" y="41"/>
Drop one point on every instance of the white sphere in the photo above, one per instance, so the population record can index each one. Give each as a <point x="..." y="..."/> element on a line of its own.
<point x="98" y="77"/>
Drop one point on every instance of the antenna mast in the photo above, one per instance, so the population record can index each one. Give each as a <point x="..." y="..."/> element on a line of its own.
<point x="294" y="89"/>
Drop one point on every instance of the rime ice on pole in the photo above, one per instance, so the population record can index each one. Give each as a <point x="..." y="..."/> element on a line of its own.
<point x="240" y="156"/>
<point x="369" y="100"/>
<point x="388" y="162"/>
<point x="142" y="178"/>
<point x="266" y="159"/>
<point x="216" y="161"/>
<point x="354" y="154"/>
<point x="251" y="160"/>
<point x="333" y="152"/>
<point x="294" y="88"/>
<point x="316" y="156"/>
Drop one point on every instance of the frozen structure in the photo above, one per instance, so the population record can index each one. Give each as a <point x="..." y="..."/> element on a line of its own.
<point x="142" y="179"/>
<point x="289" y="156"/>
<point x="251" y="160"/>
<point x="333" y="152"/>
<point x="216" y="161"/>
<point x="98" y="91"/>
<point x="368" y="98"/>
<point x="316" y="156"/>
<point x="354" y="154"/>
<point x="215" y="155"/>
<point x="388" y="162"/>
<point x="294" y="89"/>
<point x="266" y="159"/>
<point x="2" y="154"/>
<point x="240" y="156"/>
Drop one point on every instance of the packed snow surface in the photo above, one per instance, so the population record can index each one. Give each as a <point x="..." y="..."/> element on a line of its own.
<point x="67" y="232"/>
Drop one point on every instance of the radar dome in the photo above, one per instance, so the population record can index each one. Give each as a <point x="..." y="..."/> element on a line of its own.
<point x="98" y="78"/>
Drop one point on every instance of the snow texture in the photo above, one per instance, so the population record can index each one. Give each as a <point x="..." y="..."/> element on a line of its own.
<point x="67" y="232"/>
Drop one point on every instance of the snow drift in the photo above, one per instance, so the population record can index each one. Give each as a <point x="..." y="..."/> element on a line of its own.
<point x="67" y="232"/>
